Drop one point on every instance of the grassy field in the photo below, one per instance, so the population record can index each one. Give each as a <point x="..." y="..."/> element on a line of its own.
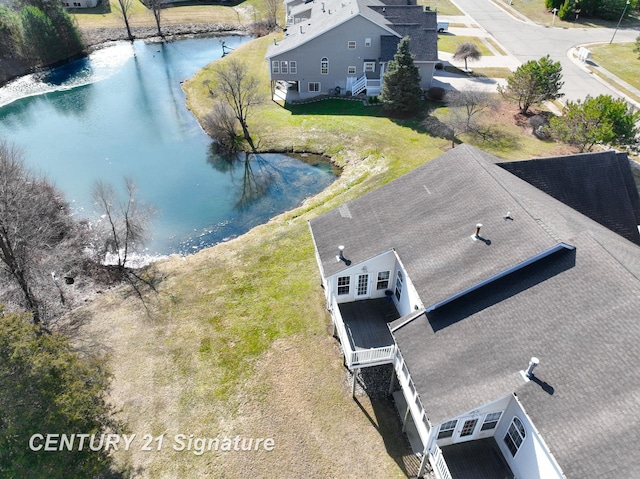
<point x="449" y="43"/>
<point x="619" y="59"/>
<point x="106" y="14"/>
<point x="535" y="10"/>
<point x="237" y="341"/>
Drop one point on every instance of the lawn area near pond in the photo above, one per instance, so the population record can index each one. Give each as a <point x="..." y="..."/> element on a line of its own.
<point x="237" y="341"/>
<point x="105" y="15"/>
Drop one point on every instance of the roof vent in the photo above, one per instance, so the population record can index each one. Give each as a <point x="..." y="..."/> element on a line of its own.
<point x="532" y="365"/>
<point x="477" y="233"/>
<point x="508" y="216"/>
<point x="341" y="257"/>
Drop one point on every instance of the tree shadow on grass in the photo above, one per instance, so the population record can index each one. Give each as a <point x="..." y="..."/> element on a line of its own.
<point x="491" y="138"/>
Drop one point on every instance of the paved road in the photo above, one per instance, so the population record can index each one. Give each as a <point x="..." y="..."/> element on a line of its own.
<point x="527" y="41"/>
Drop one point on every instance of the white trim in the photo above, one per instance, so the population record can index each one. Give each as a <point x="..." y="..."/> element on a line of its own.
<point x="533" y="259"/>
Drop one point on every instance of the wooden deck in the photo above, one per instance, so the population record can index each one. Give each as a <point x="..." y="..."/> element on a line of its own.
<point x="479" y="459"/>
<point x="366" y="322"/>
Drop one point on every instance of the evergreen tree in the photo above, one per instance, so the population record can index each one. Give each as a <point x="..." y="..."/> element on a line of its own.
<point x="596" y="120"/>
<point x="533" y="83"/>
<point x="49" y="388"/>
<point x="401" y="89"/>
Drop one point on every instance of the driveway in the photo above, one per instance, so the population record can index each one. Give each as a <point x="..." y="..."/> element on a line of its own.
<point x="526" y="41"/>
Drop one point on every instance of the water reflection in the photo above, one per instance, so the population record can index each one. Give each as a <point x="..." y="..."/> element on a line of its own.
<point x="129" y="119"/>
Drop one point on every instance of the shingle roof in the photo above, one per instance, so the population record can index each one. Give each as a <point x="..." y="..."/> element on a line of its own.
<point x="576" y="309"/>
<point x="411" y="20"/>
<point x="589" y="183"/>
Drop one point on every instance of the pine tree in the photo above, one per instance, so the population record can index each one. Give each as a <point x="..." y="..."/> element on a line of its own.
<point x="401" y="89"/>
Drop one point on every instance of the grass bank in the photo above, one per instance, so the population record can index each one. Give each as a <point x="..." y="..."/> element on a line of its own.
<point x="237" y="340"/>
<point x="619" y="59"/>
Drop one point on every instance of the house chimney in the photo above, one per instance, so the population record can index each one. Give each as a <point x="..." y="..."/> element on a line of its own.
<point x="532" y="365"/>
<point x="477" y="233"/>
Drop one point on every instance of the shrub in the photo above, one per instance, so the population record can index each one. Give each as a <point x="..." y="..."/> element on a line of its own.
<point x="436" y="93"/>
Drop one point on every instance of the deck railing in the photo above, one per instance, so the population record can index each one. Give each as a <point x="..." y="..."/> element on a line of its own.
<point x="439" y="465"/>
<point x="358" y="358"/>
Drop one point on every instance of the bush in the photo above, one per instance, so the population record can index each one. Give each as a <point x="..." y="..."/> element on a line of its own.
<point x="566" y="10"/>
<point x="436" y="93"/>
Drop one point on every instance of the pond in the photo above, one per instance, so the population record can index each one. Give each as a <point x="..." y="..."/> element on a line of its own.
<point x="121" y="113"/>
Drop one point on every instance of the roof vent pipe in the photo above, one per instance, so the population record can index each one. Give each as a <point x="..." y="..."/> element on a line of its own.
<point x="477" y="233"/>
<point x="532" y="365"/>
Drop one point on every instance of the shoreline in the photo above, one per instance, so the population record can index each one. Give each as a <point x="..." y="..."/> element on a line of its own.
<point x="96" y="38"/>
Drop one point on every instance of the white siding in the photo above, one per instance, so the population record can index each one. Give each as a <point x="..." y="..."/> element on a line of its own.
<point x="533" y="460"/>
<point x="383" y="262"/>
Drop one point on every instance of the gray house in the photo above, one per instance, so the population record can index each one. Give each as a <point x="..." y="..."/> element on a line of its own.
<point x="339" y="46"/>
<point x="506" y="296"/>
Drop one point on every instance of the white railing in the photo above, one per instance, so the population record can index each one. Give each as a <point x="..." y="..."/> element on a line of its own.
<point x="359" y="85"/>
<point x="439" y="465"/>
<point x="373" y="355"/>
<point x="361" y="358"/>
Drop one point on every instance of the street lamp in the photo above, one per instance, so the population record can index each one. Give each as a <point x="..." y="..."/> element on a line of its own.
<point x="618" y="25"/>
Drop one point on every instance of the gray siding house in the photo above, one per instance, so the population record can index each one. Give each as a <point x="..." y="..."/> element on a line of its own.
<point x="339" y="46"/>
<point x="506" y="296"/>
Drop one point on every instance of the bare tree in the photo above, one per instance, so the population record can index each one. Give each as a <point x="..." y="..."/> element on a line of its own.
<point x="37" y="235"/>
<point x="467" y="51"/>
<point x="125" y="221"/>
<point x="240" y="90"/>
<point x="472" y="103"/>
<point x="222" y="124"/>
<point x="272" y="8"/>
<point x="123" y="7"/>
<point x="156" y="8"/>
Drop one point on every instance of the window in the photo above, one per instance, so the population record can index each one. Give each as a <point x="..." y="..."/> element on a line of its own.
<point x="399" y="282"/>
<point x="324" y="66"/>
<point x="343" y="284"/>
<point x="367" y="42"/>
<point x="314" y="86"/>
<point x="447" y="428"/>
<point x="369" y="67"/>
<point x="515" y="435"/>
<point x="351" y="45"/>
<point x="293" y="67"/>
<point x="491" y="421"/>
<point x="351" y="70"/>
<point x="275" y="67"/>
<point x="284" y="67"/>
<point x="383" y="280"/>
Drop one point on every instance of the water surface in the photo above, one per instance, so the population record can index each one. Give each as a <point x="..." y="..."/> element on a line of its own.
<point x="121" y="112"/>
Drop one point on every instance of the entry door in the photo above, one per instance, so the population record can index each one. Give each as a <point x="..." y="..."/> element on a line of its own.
<point x="362" y="286"/>
<point x="467" y="428"/>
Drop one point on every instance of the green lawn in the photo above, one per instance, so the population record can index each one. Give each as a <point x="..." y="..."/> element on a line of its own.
<point x="449" y="43"/>
<point x="443" y="7"/>
<point x="535" y="10"/>
<point x="106" y="15"/>
<point x="619" y="59"/>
